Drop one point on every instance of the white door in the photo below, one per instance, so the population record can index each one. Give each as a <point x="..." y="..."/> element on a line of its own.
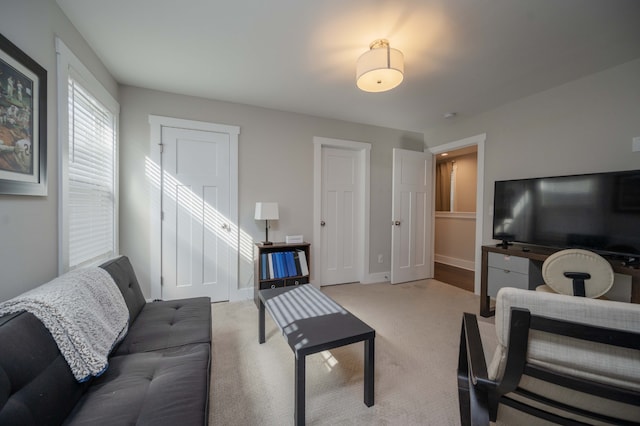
<point x="196" y="232"/>
<point x="411" y="215"/>
<point x="340" y="212"/>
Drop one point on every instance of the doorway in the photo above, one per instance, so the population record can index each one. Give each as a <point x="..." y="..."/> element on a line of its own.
<point x="341" y="211"/>
<point x="194" y="235"/>
<point x="455" y="215"/>
<point x="458" y="229"/>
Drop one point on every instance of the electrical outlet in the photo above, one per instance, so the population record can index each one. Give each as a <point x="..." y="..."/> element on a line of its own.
<point x="635" y="144"/>
<point x="379" y="258"/>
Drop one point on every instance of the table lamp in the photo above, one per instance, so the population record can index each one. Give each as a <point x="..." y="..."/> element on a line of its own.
<point x="266" y="212"/>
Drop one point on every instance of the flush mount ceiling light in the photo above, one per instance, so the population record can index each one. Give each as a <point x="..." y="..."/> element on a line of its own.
<point x="381" y="68"/>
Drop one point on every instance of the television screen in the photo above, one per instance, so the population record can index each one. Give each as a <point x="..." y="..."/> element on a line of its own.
<point x="599" y="212"/>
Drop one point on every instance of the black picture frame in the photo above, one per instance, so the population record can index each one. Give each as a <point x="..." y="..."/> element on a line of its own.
<point x="23" y="123"/>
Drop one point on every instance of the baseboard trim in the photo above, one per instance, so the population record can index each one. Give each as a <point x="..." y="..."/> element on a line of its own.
<point x="241" y="294"/>
<point x="377" y="277"/>
<point x="453" y="261"/>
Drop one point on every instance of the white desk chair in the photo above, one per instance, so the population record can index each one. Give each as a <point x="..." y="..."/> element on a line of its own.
<point x="576" y="272"/>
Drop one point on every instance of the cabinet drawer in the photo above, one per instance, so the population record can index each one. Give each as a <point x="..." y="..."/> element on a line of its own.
<point x="271" y="284"/>
<point x="296" y="281"/>
<point x="509" y="263"/>
<point x="498" y="278"/>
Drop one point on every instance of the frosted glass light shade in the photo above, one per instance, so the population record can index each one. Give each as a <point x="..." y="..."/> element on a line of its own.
<point x="380" y="69"/>
<point x="266" y="211"/>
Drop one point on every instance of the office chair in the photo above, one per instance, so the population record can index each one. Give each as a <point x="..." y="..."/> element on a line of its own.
<point x="576" y="272"/>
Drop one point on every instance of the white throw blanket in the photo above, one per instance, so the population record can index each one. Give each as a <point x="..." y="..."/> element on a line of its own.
<point x="85" y="313"/>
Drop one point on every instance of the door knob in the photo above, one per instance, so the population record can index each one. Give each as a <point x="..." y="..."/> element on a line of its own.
<point x="226" y="227"/>
<point x="396" y="223"/>
<point x="322" y="223"/>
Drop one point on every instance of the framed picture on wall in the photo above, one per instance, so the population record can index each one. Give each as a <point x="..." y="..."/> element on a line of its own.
<point x="23" y="123"/>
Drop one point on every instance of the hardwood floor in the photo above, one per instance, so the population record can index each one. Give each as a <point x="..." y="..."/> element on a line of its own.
<point x="454" y="276"/>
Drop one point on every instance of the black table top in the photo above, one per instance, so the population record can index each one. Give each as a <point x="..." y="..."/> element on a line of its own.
<point x="311" y="321"/>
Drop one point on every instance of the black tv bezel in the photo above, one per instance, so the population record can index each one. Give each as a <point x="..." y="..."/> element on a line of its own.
<point x="628" y="257"/>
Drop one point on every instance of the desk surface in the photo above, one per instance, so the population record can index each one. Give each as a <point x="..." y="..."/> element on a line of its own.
<point x="541" y="254"/>
<point x="311" y="321"/>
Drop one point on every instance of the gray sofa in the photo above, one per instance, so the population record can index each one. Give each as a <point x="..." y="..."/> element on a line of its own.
<point x="159" y="374"/>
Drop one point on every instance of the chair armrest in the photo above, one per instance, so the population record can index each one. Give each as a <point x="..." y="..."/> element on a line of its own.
<point x="474" y="385"/>
<point x="475" y="352"/>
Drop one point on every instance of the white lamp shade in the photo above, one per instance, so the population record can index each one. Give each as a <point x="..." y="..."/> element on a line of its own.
<point x="380" y="69"/>
<point x="266" y="211"/>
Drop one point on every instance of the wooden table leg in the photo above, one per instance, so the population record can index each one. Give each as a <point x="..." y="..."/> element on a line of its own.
<point x="300" y="393"/>
<point x="369" y="370"/>
<point x="485" y="300"/>
<point x="261" y="322"/>
<point x="635" y="287"/>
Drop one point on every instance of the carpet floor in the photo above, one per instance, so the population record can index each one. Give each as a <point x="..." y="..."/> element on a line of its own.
<point x="417" y="336"/>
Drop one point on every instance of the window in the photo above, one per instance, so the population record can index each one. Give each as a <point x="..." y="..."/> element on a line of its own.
<point x="88" y="119"/>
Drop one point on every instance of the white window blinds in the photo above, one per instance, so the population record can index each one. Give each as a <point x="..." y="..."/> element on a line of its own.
<point x="91" y="200"/>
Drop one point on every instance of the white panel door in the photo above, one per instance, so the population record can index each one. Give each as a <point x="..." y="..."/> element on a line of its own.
<point x="412" y="216"/>
<point x="196" y="232"/>
<point x="340" y="210"/>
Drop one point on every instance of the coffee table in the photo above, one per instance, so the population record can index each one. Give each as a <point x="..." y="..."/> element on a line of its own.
<point x="312" y="322"/>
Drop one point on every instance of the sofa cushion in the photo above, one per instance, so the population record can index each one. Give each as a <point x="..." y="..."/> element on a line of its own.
<point x="167" y="324"/>
<point x="36" y="384"/>
<point x="122" y="273"/>
<point x="167" y="387"/>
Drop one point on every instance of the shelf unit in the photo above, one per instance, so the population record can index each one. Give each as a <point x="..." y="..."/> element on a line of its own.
<point x="512" y="271"/>
<point x="260" y="249"/>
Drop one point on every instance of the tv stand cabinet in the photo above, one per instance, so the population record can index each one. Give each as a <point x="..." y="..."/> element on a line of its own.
<point x="523" y="263"/>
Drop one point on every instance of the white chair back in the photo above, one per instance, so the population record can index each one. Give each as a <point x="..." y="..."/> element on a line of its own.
<point x="556" y="267"/>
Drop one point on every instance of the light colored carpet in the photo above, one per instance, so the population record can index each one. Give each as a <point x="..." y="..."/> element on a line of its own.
<point x="417" y="335"/>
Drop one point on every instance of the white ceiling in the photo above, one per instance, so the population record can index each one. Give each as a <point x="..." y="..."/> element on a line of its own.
<point x="466" y="56"/>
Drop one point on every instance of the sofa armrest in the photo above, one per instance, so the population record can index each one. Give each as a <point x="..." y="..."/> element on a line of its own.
<point x="121" y="271"/>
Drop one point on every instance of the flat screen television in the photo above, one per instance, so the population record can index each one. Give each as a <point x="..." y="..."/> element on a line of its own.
<point x="598" y="212"/>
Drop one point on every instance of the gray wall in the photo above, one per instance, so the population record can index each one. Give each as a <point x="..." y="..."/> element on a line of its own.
<point x="275" y="164"/>
<point x="466" y="182"/>
<point x="29" y="225"/>
<point x="581" y="127"/>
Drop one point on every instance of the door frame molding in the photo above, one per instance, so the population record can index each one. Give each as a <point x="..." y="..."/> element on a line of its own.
<point x="479" y="141"/>
<point x="364" y="150"/>
<point x="156" y="123"/>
